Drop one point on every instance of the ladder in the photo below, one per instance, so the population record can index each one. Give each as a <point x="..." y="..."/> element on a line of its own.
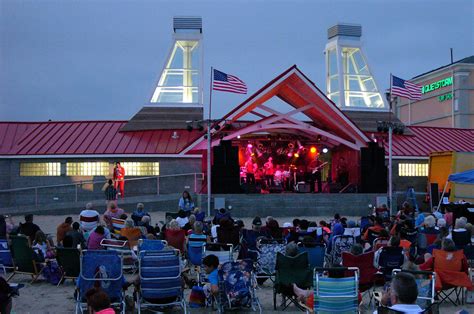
<point x="410" y="197"/>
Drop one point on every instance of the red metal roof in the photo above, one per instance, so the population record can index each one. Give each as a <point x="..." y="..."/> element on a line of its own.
<point x="426" y="140"/>
<point x="88" y="138"/>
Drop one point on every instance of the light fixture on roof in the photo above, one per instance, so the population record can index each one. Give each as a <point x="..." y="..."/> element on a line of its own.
<point x="175" y="135"/>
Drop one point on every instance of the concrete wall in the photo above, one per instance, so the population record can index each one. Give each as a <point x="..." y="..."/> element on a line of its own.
<point x="11" y="179"/>
<point x="403" y="183"/>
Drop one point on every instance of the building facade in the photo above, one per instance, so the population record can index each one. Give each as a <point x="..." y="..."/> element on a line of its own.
<point x="447" y="97"/>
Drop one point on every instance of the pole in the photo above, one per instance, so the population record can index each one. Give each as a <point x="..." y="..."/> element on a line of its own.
<point x="452" y="99"/>
<point x="390" y="130"/>
<point x="409" y="111"/>
<point x="209" y="142"/>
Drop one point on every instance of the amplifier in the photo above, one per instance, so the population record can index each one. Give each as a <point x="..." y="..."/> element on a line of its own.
<point x="302" y="187"/>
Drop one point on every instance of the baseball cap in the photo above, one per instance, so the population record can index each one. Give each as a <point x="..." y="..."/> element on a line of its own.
<point x="257" y="221"/>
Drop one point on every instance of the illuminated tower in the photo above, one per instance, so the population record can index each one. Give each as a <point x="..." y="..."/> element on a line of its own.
<point x="180" y="82"/>
<point x="349" y="81"/>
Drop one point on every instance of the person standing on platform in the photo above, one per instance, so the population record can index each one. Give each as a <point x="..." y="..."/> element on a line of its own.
<point x="119" y="179"/>
<point x="315" y="171"/>
<point x="269" y="172"/>
<point x="186" y="203"/>
<point x="250" y="167"/>
<point x="342" y="173"/>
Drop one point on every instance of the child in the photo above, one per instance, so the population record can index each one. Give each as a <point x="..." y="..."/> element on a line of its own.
<point x="211" y="263"/>
<point x="42" y="245"/>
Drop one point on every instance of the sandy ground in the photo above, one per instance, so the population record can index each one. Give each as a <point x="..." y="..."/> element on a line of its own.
<point x="42" y="297"/>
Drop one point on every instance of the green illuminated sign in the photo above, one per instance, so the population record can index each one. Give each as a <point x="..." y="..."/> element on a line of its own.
<point x="436" y="85"/>
<point x="444" y="97"/>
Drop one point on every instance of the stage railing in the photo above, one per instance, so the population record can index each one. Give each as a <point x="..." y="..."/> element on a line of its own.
<point x="83" y="191"/>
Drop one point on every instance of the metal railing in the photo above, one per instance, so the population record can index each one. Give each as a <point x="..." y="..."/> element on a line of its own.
<point x="189" y="179"/>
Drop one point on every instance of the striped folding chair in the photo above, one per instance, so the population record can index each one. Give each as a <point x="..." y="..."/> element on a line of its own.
<point x="117" y="225"/>
<point x="336" y="295"/>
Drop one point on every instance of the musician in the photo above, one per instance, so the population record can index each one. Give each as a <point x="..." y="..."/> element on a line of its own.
<point x="315" y="173"/>
<point x="269" y="172"/>
<point x="250" y="167"/>
<point x="342" y="173"/>
<point x="119" y="176"/>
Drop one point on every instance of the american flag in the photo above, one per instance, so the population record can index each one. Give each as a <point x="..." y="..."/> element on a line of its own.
<point x="405" y="89"/>
<point x="228" y="83"/>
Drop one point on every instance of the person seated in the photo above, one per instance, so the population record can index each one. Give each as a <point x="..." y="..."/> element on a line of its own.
<point x="139" y="213"/>
<point x="132" y="233"/>
<point x="291" y="249"/>
<point x="89" y="218"/>
<point x="393" y="242"/>
<point x="95" y="237"/>
<point x="188" y="227"/>
<point x="406" y="210"/>
<point x="402" y="294"/>
<point x="302" y="231"/>
<point x="221" y="213"/>
<point x="112" y="212"/>
<point x="42" y="246"/>
<point x="62" y="229"/>
<point x="227" y="232"/>
<point x="250" y="238"/>
<point x="336" y="231"/>
<point x="443" y="260"/>
<point x="76" y="236"/>
<point x="98" y="301"/>
<point x="186" y="203"/>
<point x="380" y="241"/>
<point x="325" y="227"/>
<point x="200" y="215"/>
<point x="429" y="225"/>
<point x="211" y="264"/>
<point x="182" y="218"/>
<point x="274" y="230"/>
<point x="460" y="235"/>
<point x="197" y="237"/>
<point x="372" y="232"/>
<point x="145" y="224"/>
<point x="175" y="236"/>
<point x="29" y="228"/>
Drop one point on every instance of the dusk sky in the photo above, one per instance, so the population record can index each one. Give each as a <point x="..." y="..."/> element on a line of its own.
<point x="99" y="60"/>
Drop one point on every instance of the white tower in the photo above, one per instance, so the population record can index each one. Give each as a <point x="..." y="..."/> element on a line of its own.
<point x="349" y="81"/>
<point x="180" y="82"/>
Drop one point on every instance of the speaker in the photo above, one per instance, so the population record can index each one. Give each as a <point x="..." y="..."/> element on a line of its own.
<point x="225" y="169"/>
<point x="434" y="194"/>
<point x="373" y="169"/>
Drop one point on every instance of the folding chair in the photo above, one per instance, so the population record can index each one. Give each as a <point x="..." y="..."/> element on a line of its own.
<point x="289" y="271"/>
<point x="122" y="247"/>
<point x="151" y="245"/>
<point x="355" y="232"/>
<point x="160" y="280"/>
<point x="23" y="258"/>
<point x="5" y="254"/>
<point x="267" y="251"/>
<point x="379" y="243"/>
<point x="316" y="253"/>
<point x="390" y="258"/>
<point x="336" y="295"/>
<point x="469" y="253"/>
<point x="340" y="243"/>
<point x="365" y="264"/>
<point x="426" y="282"/>
<point x="69" y="259"/>
<point x="104" y="269"/>
<point x="223" y="251"/>
<point x="117" y="225"/>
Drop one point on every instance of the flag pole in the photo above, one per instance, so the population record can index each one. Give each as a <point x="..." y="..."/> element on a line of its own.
<point x="390" y="192"/>
<point x="209" y="143"/>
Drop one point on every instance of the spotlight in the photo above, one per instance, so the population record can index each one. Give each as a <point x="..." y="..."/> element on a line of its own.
<point x="325" y="150"/>
<point x="189" y="128"/>
<point x="296" y="155"/>
<point x="290" y="155"/>
<point x="238" y="136"/>
<point x="249" y="145"/>
<point x="313" y="149"/>
<point x="319" y="138"/>
<point x="200" y="128"/>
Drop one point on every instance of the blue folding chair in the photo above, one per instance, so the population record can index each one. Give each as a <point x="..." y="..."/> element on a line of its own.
<point x="160" y="280"/>
<point x="151" y="245"/>
<point x="316" y="253"/>
<point x="101" y="269"/>
<point x="5" y="254"/>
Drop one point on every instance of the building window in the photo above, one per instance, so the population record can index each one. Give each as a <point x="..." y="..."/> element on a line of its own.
<point x="94" y="168"/>
<point x="413" y="170"/>
<point x="133" y="168"/>
<point x="40" y="169"/>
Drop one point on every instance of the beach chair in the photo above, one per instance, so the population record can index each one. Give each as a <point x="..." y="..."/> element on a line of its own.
<point x="5" y="254"/>
<point x="69" y="259"/>
<point x="117" y="225"/>
<point x="23" y="258"/>
<point x="336" y="295"/>
<point x="223" y="251"/>
<point x="426" y="282"/>
<point x="160" y="280"/>
<point x="340" y="243"/>
<point x="237" y="287"/>
<point x="129" y="258"/>
<point x="151" y="245"/>
<point x="267" y="251"/>
<point x="316" y="253"/>
<point x="390" y="258"/>
<point x="100" y="269"/>
<point x="289" y="271"/>
<point x="365" y="264"/>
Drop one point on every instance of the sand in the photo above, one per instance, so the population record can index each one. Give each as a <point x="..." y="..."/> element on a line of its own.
<point x="42" y="297"/>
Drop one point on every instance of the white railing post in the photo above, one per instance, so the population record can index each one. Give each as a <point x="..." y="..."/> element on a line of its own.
<point x="157" y="185"/>
<point x="76" y="193"/>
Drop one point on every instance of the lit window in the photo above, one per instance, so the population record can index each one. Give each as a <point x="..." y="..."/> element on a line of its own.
<point x="413" y="170"/>
<point x="40" y="169"/>
<point x="133" y="168"/>
<point x="94" y="168"/>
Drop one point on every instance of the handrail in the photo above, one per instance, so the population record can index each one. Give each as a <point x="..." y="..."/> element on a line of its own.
<point x="97" y="182"/>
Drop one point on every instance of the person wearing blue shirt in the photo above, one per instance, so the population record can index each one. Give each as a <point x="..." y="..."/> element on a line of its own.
<point x="211" y="264"/>
<point x="186" y="202"/>
<point x="138" y="214"/>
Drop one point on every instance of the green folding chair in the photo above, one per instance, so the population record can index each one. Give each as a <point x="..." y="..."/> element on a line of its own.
<point x="69" y="259"/>
<point x="23" y="258"/>
<point x="289" y="271"/>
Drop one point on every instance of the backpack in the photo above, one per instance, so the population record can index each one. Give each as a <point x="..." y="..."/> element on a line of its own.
<point x="52" y="273"/>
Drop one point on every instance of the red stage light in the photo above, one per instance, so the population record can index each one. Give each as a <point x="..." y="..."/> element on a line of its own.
<point x="290" y="154"/>
<point x="313" y="150"/>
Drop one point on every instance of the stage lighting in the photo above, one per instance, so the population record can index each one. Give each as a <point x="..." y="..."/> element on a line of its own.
<point x="238" y="136"/>
<point x="249" y="145"/>
<point x="325" y="150"/>
<point x="297" y="155"/>
<point x="290" y="155"/>
<point x="313" y="150"/>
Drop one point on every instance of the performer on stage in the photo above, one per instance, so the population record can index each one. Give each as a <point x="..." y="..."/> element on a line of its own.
<point x="342" y="173"/>
<point x="269" y="172"/>
<point x="315" y="173"/>
<point x="250" y="167"/>
<point x="119" y="175"/>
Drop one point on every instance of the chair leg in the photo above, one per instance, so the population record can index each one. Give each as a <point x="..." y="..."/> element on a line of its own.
<point x="11" y="276"/>
<point x="61" y="281"/>
<point x="274" y="300"/>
